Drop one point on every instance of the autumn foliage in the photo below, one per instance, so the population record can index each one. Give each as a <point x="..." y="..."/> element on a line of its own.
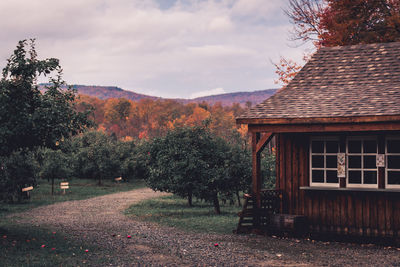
<point x="147" y="118"/>
<point x="349" y="22"/>
<point x="328" y="23"/>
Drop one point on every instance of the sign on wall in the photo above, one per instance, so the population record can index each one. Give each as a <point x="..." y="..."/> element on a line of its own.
<point x="341" y="165"/>
<point x="380" y="160"/>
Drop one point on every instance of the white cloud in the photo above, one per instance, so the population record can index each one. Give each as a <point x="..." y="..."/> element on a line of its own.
<point x="221" y="24"/>
<point x="175" y="51"/>
<point x="216" y="91"/>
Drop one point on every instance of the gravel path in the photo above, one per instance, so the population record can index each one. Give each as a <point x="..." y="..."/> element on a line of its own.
<point x="100" y="221"/>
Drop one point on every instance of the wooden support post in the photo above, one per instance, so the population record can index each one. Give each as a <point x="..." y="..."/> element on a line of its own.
<point x="256" y="157"/>
<point x="256" y="173"/>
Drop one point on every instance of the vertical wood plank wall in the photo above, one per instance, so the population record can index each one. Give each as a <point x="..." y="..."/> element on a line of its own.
<point x="375" y="214"/>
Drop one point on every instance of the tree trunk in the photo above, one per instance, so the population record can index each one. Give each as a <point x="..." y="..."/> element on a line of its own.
<point x="238" y="198"/>
<point x="52" y="186"/>
<point x="216" y="204"/>
<point x="190" y="195"/>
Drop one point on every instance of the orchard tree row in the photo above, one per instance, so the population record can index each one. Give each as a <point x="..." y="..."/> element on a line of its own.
<point x="190" y="150"/>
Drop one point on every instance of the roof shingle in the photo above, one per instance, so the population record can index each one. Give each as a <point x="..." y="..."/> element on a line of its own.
<point x="347" y="81"/>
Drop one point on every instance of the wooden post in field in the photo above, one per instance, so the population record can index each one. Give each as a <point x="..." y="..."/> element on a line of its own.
<point x="64" y="185"/>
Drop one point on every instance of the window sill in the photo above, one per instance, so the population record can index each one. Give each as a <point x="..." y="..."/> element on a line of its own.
<point x="349" y="189"/>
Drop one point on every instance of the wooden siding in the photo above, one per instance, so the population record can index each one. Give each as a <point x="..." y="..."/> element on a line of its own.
<point x="374" y="214"/>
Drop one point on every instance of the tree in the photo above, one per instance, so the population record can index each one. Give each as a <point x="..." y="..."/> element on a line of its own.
<point x="345" y="22"/>
<point x="177" y="163"/>
<point x="339" y="22"/>
<point x="55" y="164"/>
<point x="17" y="170"/>
<point x="30" y="118"/>
<point x="349" y="22"/>
<point x="93" y="156"/>
<point x="192" y="161"/>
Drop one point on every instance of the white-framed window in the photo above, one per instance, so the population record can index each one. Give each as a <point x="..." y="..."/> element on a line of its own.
<point x="392" y="151"/>
<point x="361" y="161"/>
<point x="323" y="161"/>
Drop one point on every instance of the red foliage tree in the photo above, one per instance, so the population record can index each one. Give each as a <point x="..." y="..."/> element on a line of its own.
<point x="339" y="22"/>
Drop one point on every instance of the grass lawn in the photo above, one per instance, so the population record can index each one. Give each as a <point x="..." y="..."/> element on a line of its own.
<point x="21" y="245"/>
<point x="174" y="211"/>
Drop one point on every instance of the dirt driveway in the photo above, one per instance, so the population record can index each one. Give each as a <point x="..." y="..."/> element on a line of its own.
<point x="100" y="221"/>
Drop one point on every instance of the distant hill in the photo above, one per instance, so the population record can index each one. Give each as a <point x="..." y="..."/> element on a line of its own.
<point x="105" y="92"/>
<point x="228" y="99"/>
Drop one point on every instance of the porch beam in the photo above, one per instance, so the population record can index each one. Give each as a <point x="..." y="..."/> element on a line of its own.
<point x="264" y="140"/>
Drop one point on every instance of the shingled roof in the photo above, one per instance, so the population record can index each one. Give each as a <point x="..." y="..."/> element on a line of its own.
<point x="338" y="82"/>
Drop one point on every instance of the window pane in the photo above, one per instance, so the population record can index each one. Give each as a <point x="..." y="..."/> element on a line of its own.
<point x="331" y="161"/>
<point x="354" y="146"/>
<point x="317" y="146"/>
<point x="369" y="146"/>
<point x="393" y="146"/>
<point x="317" y="176"/>
<point x="354" y="177"/>
<point x="370" y="177"/>
<point x="393" y="162"/>
<point x="331" y="177"/>
<point x="393" y="177"/>
<point x="332" y="146"/>
<point x="317" y="161"/>
<point x="369" y="162"/>
<point x="354" y="162"/>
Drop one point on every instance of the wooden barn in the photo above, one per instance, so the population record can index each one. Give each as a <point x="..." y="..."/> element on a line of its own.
<point x="337" y="132"/>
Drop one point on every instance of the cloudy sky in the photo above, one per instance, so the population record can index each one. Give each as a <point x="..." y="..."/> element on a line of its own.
<point x="167" y="48"/>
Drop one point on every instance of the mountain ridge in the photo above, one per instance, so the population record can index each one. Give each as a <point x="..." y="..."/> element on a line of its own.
<point x="226" y="99"/>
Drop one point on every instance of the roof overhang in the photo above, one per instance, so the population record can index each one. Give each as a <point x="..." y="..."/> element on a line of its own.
<point x="338" y="124"/>
<point x="318" y="120"/>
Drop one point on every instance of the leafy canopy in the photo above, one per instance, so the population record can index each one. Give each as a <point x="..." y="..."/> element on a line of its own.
<point x="28" y="117"/>
<point x="339" y="22"/>
<point x="192" y="161"/>
<point x="345" y="22"/>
